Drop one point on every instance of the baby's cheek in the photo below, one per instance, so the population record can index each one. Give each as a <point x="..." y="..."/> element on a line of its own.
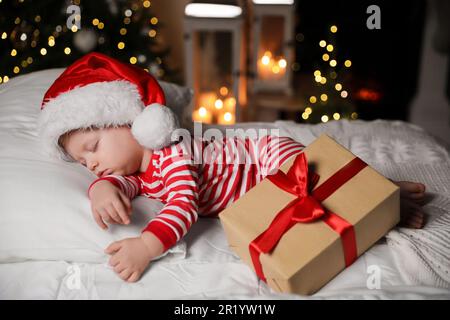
<point x="131" y="164"/>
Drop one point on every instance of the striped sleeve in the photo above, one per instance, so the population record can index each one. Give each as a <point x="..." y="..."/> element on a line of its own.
<point x="274" y="151"/>
<point x="180" y="179"/>
<point x="129" y="185"/>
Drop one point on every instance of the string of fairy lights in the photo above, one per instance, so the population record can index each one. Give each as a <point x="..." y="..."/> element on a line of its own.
<point x="42" y="49"/>
<point x="329" y="81"/>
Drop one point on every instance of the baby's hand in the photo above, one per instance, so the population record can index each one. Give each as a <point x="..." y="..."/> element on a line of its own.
<point x="109" y="204"/>
<point x="130" y="257"/>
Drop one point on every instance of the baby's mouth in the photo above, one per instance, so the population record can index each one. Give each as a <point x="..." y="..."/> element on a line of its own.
<point x="105" y="173"/>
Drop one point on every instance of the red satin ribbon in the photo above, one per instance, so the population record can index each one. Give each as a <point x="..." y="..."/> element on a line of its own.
<point x="307" y="208"/>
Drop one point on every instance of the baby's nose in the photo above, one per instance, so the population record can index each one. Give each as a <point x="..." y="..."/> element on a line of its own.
<point x="92" y="166"/>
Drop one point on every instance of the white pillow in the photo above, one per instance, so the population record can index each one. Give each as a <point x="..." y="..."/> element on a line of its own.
<point x="44" y="209"/>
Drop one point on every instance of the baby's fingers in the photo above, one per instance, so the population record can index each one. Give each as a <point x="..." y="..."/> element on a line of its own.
<point x="99" y="220"/>
<point x="125" y="274"/>
<point x="126" y="202"/>
<point x="134" y="277"/>
<point x="114" y="260"/>
<point x="104" y="214"/>
<point x="114" y="214"/>
<point x="113" y="247"/>
<point x="122" y="211"/>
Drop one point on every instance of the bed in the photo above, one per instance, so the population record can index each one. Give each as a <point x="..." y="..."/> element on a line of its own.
<point x="50" y="248"/>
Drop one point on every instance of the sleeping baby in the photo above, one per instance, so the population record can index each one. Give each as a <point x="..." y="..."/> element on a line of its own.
<point x="110" y="117"/>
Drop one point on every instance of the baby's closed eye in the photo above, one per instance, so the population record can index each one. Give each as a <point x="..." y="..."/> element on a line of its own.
<point x="93" y="147"/>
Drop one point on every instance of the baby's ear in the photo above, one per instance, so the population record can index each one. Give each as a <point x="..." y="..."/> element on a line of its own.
<point x="65" y="156"/>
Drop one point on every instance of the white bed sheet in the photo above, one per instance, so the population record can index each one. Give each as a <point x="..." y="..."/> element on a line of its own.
<point x="211" y="270"/>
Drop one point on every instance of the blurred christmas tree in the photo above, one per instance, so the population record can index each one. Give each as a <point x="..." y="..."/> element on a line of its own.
<point x="332" y="98"/>
<point x="41" y="34"/>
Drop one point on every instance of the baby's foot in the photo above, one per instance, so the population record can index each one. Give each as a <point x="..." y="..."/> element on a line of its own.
<point x="412" y="195"/>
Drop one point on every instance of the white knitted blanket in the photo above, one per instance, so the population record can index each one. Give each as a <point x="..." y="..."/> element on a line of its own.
<point x="402" y="151"/>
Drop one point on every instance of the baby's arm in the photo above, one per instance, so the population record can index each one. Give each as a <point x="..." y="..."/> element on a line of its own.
<point x="129" y="185"/>
<point x="180" y="179"/>
<point x="130" y="257"/>
<point x="111" y="199"/>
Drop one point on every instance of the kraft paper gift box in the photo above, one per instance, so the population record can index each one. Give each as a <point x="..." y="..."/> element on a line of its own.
<point x="353" y="206"/>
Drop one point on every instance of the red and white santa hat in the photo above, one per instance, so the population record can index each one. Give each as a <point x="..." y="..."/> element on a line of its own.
<point x="100" y="91"/>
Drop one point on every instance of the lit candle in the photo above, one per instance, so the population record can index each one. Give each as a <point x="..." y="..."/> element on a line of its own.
<point x="215" y="109"/>
<point x="226" y="118"/>
<point x="230" y="104"/>
<point x="265" y="65"/>
<point x="202" y="115"/>
<point x="218" y="104"/>
<point x="271" y="68"/>
<point x="223" y="91"/>
<point x="207" y="99"/>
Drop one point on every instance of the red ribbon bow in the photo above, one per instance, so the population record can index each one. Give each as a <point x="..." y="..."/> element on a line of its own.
<point x="306" y="208"/>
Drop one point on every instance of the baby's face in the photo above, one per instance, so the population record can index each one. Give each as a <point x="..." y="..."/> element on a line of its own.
<point x="106" y="151"/>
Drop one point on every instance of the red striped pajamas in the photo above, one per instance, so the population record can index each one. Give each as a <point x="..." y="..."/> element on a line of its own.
<point x="200" y="177"/>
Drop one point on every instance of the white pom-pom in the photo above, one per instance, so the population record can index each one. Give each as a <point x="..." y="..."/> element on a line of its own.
<point x="154" y="126"/>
